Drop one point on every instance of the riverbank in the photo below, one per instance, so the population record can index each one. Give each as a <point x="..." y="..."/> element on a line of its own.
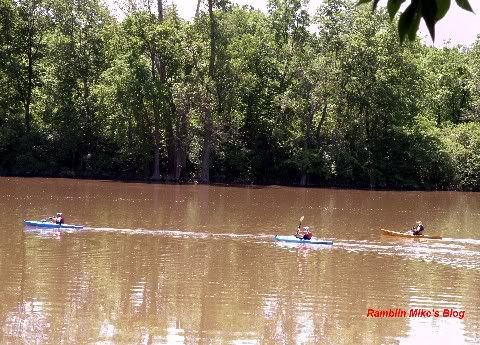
<point x="326" y="185"/>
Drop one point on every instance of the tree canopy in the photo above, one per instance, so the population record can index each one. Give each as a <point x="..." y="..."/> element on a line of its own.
<point x="234" y="95"/>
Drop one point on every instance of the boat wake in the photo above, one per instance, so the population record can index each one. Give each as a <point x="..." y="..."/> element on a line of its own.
<point x="468" y="241"/>
<point x="179" y="233"/>
<point x="463" y="254"/>
<point x="449" y="251"/>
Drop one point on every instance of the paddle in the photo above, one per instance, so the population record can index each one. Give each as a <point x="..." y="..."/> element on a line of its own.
<point x="301" y="220"/>
<point x="299" y="225"/>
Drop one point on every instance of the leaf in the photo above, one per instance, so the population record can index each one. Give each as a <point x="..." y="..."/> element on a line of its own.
<point x="429" y="14"/>
<point x="393" y="6"/>
<point x="464" y="4"/>
<point x="442" y="8"/>
<point x="414" y="28"/>
<point x="409" y="21"/>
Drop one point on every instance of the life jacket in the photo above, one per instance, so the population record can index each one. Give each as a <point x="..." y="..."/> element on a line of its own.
<point x="307" y="234"/>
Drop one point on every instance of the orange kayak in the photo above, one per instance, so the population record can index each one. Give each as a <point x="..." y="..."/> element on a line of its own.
<point x="404" y="234"/>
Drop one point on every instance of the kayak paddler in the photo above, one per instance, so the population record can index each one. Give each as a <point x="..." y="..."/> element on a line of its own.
<point x="58" y="219"/>
<point x="417" y="229"/>
<point x="303" y="233"/>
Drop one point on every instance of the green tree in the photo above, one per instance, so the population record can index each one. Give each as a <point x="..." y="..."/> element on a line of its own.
<point x="75" y="61"/>
<point x="379" y="85"/>
<point x="447" y="90"/>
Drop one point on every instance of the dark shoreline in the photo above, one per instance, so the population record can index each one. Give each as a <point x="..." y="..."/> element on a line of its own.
<point x="165" y="181"/>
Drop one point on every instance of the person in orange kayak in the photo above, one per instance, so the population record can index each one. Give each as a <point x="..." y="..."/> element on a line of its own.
<point x="417" y="229"/>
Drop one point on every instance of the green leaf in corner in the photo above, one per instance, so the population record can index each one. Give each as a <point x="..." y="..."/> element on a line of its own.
<point x="414" y="27"/>
<point x="393" y="6"/>
<point x="442" y="8"/>
<point x="429" y="14"/>
<point x="409" y="22"/>
<point x="464" y="4"/>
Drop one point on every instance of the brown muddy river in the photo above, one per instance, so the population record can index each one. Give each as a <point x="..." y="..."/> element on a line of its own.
<point x="192" y="264"/>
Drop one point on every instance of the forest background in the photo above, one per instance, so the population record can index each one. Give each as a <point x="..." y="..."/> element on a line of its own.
<point x="234" y="95"/>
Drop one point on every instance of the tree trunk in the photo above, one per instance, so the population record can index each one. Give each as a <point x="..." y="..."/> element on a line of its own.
<point x="318" y="135"/>
<point x="206" y="147"/>
<point x="213" y="47"/>
<point x="156" y="164"/>
<point x="28" y="96"/>
<point x="157" y="65"/>
<point x="368" y="132"/>
<point x="168" y="120"/>
<point x="181" y="148"/>
<point x="170" y="136"/>
<point x="308" y="136"/>
<point x="160" y="10"/>
<point x="156" y="115"/>
<point x="28" y="99"/>
<point x="197" y="11"/>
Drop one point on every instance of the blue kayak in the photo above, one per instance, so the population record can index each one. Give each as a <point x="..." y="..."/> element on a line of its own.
<point x="50" y="225"/>
<point x="294" y="239"/>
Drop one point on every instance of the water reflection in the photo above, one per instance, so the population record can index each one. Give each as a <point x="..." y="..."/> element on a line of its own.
<point x="162" y="264"/>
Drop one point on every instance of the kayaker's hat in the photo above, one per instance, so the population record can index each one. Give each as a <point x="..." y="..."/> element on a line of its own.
<point x="419" y="222"/>
<point x="59" y="213"/>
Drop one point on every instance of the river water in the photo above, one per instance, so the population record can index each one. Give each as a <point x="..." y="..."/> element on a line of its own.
<point x="194" y="264"/>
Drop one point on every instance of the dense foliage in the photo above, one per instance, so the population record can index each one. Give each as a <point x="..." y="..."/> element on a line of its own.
<point x="234" y="95"/>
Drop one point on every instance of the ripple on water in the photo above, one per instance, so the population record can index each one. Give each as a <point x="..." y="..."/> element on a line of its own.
<point x="454" y="255"/>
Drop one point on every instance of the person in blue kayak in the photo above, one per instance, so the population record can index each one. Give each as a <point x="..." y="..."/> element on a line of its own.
<point x="417" y="229"/>
<point x="304" y="233"/>
<point x="58" y="219"/>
